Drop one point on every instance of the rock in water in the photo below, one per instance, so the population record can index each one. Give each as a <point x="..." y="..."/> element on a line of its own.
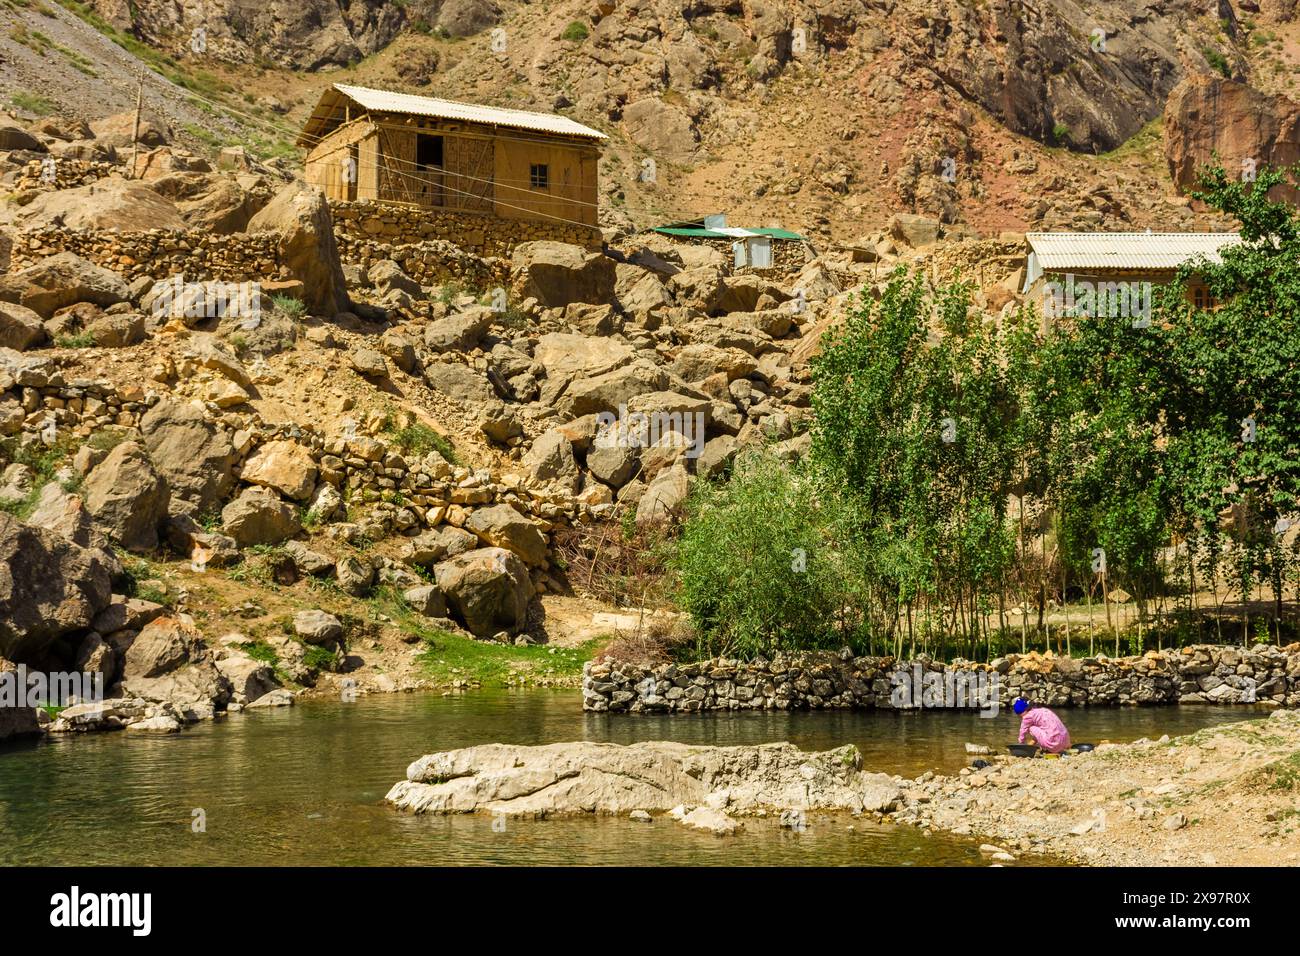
<point x="587" y="777"/>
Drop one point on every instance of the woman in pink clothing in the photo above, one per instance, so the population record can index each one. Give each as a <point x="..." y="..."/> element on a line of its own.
<point x="1043" y="725"/>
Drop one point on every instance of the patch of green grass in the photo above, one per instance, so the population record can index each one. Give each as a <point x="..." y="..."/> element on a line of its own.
<point x="195" y="80"/>
<point x="1283" y="774"/>
<point x="32" y="103"/>
<point x="82" y="340"/>
<point x="449" y="657"/>
<point x="318" y="658"/>
<point x="419" y="439"/>
<point x="106" y="439"/>
<point x="139" y="574"/>
<point x="260" y="651"/>
<point x="1140" y="144"/>
<point x="288" y="305"/>
<point x="44" y="462"/>
<point x="1218" y="61"/>
<point x="205" y="136"/>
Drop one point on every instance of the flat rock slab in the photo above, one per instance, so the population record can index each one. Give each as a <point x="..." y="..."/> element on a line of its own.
<point x="586" y="777"/>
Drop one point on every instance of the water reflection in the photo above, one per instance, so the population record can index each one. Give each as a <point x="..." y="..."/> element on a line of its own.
<point x="304" y="785"/>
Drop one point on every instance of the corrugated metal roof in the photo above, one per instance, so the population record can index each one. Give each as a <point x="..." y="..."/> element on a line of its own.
<point x="1057" y="251"/>
<point x="387" y="101"/>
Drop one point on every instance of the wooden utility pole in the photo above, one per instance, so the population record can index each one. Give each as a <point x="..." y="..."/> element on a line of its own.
<point x="135" y="133"/>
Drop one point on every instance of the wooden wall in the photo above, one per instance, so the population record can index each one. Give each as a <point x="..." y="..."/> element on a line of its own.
<point x="326" y="164"/>
<point x="571" y="193"/>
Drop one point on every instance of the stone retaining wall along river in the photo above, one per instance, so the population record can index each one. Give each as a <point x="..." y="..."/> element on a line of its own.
<point x="1202" y="674"/>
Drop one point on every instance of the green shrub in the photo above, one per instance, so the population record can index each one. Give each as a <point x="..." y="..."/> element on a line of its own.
<point x="419" y="439"/>
<point x="1218" y="61"/>
<point x="761" y="566"/>
<point x="576" y="32"/>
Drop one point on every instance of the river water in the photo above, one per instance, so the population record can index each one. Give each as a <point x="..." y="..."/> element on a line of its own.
<point x="305" y="785"/>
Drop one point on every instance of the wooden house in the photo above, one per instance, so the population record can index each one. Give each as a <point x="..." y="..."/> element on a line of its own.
<point x="366" y="144"/>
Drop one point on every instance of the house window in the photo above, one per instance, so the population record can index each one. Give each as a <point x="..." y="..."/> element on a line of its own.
<point x="539" y="176"/>
<point x="1202" y="299"/>
<point x="428" y="152"/>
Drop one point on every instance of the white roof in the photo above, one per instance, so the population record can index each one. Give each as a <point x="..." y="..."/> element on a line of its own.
<point x="387" y="101"/>
<point x="1056" y="251"/>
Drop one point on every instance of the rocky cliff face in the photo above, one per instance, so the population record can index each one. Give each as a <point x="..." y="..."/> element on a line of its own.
<point x="302" y="34"/>
<point x="1244" y="127"/>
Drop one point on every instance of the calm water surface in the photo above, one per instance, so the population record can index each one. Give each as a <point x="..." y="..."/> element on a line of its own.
<point x="305" y="785"/>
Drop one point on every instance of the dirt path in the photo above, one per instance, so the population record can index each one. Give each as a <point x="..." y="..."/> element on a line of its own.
<point x="1227" y="796"/>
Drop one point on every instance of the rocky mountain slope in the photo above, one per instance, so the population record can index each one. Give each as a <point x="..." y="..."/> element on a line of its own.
<point x="825" y="117"/>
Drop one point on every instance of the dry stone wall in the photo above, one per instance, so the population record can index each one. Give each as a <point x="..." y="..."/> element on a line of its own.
<point x="1207" y="674"/>
<point x="158" y="253"/>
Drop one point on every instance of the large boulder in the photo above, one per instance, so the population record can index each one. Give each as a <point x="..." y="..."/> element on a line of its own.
<point x="583" y="777"/>
<point x="615" y="455"/>
<point x="605" y="393"/>
<point x="662" y="129"/>
<point x="488" y="589"/>
<point x="438" y="544"/>
<point x="193" y="453"/>
<point x="459" y="382"/>
<point x="125" y="129"/>
<point x="250" y="679"/>
<point x="698" y="361"/>
<point x="301" y="218"/>
<point x="285" y="466"/>
<point x="314" y="626"/>
<point x="48" y="587"/>
<point x="501" y="526"/>
<point x="259" y="516"/>
<point x="566" y="356"/>
<point x="61" y="280"/>
<point x="16" y="138"/>
<point x="164" y="644"/>
<point x="64" y="513"/>
<point x="459" y="331"/>
<point x="557" y="273"/>
<point x="222" y="209"/>
<point x="551" y="462"/>
<point x="20" y="327"/>
<point x="664" y="497"/>
<point x="126" y="205"/>
<point x="127" y="498"/>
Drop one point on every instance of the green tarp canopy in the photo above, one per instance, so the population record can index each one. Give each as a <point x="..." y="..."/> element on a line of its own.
<point x="696" y="230"/>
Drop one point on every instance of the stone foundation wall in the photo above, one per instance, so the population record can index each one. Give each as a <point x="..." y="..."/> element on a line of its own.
<point x="432" y="262"/>
<point x="483" y="235"/>
<point x="1201" y="674"/>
